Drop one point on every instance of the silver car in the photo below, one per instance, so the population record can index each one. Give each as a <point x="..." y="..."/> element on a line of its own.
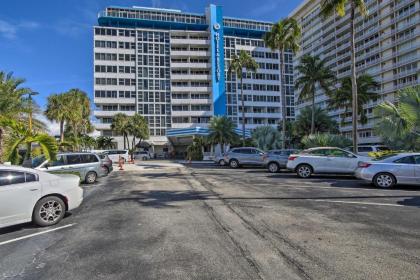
<point x="88" y="165"/>
<point x="277" y="159"/>
<point x="244" y="156"/>
<point x="392" y="169"/>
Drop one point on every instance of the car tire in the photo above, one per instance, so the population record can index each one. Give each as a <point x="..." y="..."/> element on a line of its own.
<point x="107" y="170"/>
<point x="233" y="163"/>
<point x="222" y="162"/>
<point x="90" y="177"/>
<point x="144" y="158"/>
<point x="273" y="167"/>
<point x="48" y="211"/>
<point x="304" y="171"/>
<point x="384" y="180"/>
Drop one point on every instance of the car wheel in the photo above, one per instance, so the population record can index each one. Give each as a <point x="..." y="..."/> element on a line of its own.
<point x="144" y="158"/>
<point x="304" y="171"/>
<point x="90" y="177"/>
<point x="48" y="211"/>
<point x="384" y="180"/>
<point x="106" y="170"/>
<point x="222" y="162"/>
<point x="233" y="163"/>
<point x="273" y="167"/>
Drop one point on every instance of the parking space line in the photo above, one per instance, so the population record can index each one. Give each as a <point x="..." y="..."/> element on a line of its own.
<point x="357" y="202"/>
<point x="34" y="234"/>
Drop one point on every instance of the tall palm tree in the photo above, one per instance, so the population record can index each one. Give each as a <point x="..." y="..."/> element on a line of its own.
<point x="238" y="63"/>
<point x="342" y="97"/>
<point x="120" y="123"/>
<point x="284" y="35"/>
<point x="312" y="73"/>
<point x="399" y="125"/>
<point x="222" y="131"/>
<point x="21" y="135"/>
<point x="59" y="110"/>
<point x="322" y="122"/>
<point x="138" y="128"/>
<point x="328" y="7"/>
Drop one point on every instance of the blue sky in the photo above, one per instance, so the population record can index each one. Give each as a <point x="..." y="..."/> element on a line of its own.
<point x="49" y="42"/>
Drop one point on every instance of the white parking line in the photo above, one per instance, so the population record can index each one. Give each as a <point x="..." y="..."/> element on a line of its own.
<point x="356" y="202"/>
<point x="34" y="234"/>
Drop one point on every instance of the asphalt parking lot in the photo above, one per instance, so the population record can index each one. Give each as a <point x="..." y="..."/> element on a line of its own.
<point x="162" y="220"/>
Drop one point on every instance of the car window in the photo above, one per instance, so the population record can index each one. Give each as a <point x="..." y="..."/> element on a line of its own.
<point x="11" y="177"/>
<point x="382" y="148"/>
<point x="58" y="162"/>
<point x="417" y="159"/>
<point x="31" y="177"/>
<point x="338" y="153"/>
<point x="405" y="160"/>
<point x="122" y="152"/>
<point x="364" y="149"/>
<point x="237" y="151"/>
<point x="88" y="158"/>
<point x="320" y="152"/>
<point x="37" y="161"/>
<point x="73" y="159"/>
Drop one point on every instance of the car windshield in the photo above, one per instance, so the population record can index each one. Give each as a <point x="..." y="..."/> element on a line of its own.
<point x="383" y="157"/>
<point x="37" y="161"/>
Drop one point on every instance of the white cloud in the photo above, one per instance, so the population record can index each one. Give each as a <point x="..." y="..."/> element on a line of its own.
<point x="9" y="30"/>
<point x="53" y="127"/>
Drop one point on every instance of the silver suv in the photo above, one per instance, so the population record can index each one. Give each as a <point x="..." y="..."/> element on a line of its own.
<point x="244" y="156"/>
<point x="88" y="165"/>
<point x="277" y="159"/>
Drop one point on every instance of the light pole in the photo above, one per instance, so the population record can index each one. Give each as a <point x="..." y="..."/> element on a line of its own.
<point x="30" y="94"/>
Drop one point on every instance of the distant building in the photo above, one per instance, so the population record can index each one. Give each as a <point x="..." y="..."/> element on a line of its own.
<point x="171" y="67"/>
<point x="387" y="47"/>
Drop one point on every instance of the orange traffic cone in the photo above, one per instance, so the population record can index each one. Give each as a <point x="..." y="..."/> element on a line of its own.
<point x="120" y="163"/>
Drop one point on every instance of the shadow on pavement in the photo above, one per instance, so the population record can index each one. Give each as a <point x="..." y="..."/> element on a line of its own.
<point x="160" y="199"/>
<point x="414" y="201"/>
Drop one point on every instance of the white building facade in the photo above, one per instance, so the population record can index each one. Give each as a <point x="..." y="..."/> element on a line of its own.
<point x="387" y="48"/>
<point x="171" y="67"/>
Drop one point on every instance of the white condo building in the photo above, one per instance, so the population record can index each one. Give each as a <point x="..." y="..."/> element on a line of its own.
<point x="387" y="47"/>
<point x="171" y="67"/>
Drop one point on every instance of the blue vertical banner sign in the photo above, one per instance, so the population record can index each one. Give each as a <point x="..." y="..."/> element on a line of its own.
<point x="217" y="60"/>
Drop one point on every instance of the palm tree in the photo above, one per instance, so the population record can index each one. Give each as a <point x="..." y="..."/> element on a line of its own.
<point x="325" y="140"/>
<point x="138" y="128"/>
<point x="120" y="123"/>
<point x="312" y="73"/>
<point x="59" y="110"/>
<point x="399" y="125"/>
<point x="283" y="36"/>
<point x="104" y="142"/>
<point x="87" y="142"/>
<point x="239" y="62"/>
<point x="322" y="122"/>
<point x="20" y="135"/>
<point x="328" y="7"/>
<point x="267" y="138"/>
<point x="342" y="97"/>
<point x="222" y="131"/>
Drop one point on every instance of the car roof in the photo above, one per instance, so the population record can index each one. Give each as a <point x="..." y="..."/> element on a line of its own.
<point x="17" y="168"/>
<point x="322" y="148"/>
<point x="77" y="153"/>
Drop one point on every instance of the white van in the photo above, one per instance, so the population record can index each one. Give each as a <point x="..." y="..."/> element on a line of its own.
<point x="115" y="155"/>
<point x="364" y="150"/>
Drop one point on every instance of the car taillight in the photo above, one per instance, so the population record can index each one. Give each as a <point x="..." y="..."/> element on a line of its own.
<point x="364" y="164"/>
<point x="292" y="157"/>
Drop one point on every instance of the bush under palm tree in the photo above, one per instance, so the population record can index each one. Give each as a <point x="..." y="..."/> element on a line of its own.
<point x="322" y="122"/>
<point x="267" y="138"/>
<point x="325" y="140"/>
<point x="399" y="125"/>
<point x="222" y="131"/>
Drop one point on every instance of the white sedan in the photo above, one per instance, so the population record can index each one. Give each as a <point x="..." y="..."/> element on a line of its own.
<point x="31" y="195"/>
<point x="324" y="160"/>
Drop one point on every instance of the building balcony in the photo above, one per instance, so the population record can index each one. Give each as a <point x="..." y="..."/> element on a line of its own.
<point x="189" y="125"/>
<point x="190" y="65"/>
<point x="191" y="101"/>
<point x="190" y="77"/>
<point x="101" y="100"/>
<point x="98" y="113"/>
<point x="102" y="126"/>
<point x="190" y="89"/>
<point x="190" y="53"/>
<point x="191" y="113"/>
<point x="190" y="42"/>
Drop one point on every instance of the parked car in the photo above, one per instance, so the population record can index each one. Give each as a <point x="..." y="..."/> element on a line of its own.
<point x="106" y="161"/>
<point x="143" y="155"/>
<point x="32" y="195"/>
<point x="88" y="165"/>
<point x="115" y="155"/>
<point x="391" y="169"/>
<point x="324" y="160"/>
<point x="277" y="159"/>
<point x="244" y="156"/>
<point x="220" y="160"/>
<point x="364" y="150"/>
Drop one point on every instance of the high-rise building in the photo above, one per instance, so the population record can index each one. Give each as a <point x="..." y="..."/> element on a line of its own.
<point x="172" y="68"/>
<point x="387" y="48"/>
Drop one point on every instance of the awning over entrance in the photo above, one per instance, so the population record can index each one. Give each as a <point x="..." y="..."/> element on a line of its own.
<point x="199" y="131"/>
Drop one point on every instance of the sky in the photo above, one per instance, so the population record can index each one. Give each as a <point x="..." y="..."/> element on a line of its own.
<point x="49" y="42"/>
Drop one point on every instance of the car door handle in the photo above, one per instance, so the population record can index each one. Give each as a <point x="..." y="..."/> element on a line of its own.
<point x="32" y="190"/>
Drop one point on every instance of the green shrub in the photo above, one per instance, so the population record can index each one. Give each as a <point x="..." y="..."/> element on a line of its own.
<point x="325" y="139"/>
